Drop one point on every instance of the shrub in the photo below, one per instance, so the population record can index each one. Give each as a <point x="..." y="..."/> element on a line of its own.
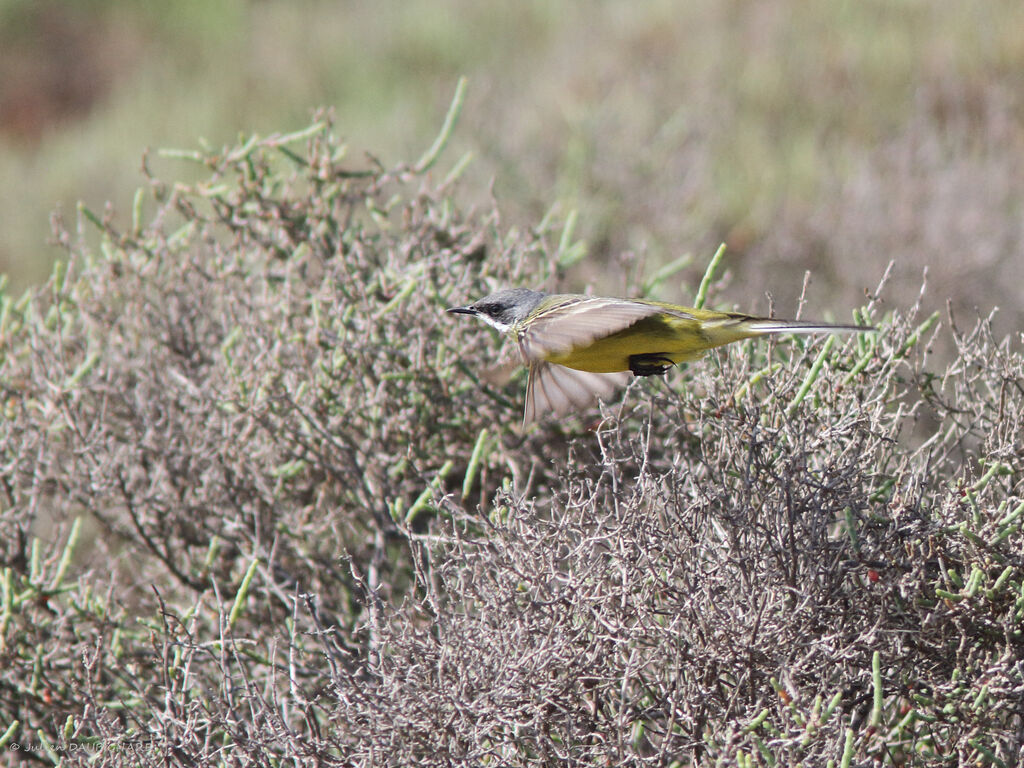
<point x="293" y="522"/>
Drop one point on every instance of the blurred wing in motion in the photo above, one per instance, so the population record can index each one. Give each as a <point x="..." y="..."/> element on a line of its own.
<point x="578" y="322"/>
<point x="560" y="390"/>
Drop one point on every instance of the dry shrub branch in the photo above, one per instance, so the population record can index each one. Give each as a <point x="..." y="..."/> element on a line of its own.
<point x="261" y="507"/>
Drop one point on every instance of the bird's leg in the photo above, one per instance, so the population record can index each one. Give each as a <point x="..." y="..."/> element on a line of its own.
<point x="650" y="364"/>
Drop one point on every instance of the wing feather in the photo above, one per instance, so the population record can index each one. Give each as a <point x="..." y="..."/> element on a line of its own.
<point x="578" y="322"/>
<point x="560" y="390"/>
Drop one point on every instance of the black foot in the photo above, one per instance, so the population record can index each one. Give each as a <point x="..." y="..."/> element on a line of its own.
<point x="649" y="365"/>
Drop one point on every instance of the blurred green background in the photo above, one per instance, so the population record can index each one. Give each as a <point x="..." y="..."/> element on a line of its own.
<point x="831" y="136"/>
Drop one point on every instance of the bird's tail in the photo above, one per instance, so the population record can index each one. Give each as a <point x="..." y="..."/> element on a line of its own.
<point x="728" y="328"/>
<point x="759" y="326"/>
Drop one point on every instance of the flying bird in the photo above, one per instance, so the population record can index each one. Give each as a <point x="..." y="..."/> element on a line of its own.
<point x="579" y="348"/>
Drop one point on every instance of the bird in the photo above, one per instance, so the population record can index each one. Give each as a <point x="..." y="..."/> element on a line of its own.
<point x="579" y="348"/>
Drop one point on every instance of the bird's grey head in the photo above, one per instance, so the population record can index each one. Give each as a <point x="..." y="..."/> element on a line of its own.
<point x="503" y="309"/>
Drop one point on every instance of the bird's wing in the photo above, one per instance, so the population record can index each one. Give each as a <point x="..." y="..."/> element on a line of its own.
<point x="559" y="389"/>
<point x="578" y="322"/>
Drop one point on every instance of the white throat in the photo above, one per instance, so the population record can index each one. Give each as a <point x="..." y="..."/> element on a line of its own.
<point x="494" y="323"/>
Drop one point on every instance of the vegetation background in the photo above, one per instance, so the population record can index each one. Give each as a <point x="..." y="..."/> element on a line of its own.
<point x="832" y="137"/>
<point x="258" y="508"/>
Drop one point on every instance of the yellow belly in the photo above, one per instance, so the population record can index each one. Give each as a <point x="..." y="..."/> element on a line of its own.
<point x="677" y="339"/>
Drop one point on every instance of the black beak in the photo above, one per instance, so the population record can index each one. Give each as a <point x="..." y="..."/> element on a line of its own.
<point x="461" y="311"/>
